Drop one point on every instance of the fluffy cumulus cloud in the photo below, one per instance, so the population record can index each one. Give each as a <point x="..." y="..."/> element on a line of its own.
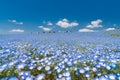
<point x="44" y="28"/>
<point x="95" y="24"/>
<point x="110" y="29"/>
<point x="17" y="30"/>
<point x="49" y="24"/>
<point x="64" y="23"/>
<point x="15" y="22"/>
<point x="86" y="30"/>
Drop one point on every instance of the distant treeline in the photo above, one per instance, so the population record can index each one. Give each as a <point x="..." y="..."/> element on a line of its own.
<point x="117" y="35"/>
<point x="117" y="28"/>
<point x="51" y="32"/>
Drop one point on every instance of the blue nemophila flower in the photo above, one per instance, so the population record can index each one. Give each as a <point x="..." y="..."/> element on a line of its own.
<point x="114" y="61"/>
<point x="21" y="66"/>
<point x="118" y="75"/>
<point x="24" y="73"/>
<point x="27" y="73"/>
<point x="66" y="74"/>
<point x="101" y="64"/>
<point x="82" y="71"/>
<point x="29" y="78"/>
<point x="47" y="68"/>
<point x="68" y="78"/>
<point x="23" y="77"/>
<point x="87" y="75"/>
<point x="87" y="68"/>
<point x="66" y="60"/>
<point x="1" y="51"/>
<point x="69" y="63"/>
<point x="63" y="66"/>
<point x="24" y="60"/>
<point x="49" y="63"/>
<point x="5" y="66"/>
<point x="46" y="61"/>
<point x="21" y="73"/>
<point x="94" y="69"/>
<point x="60" y="75"/>
<point x="56" y="67"/>
<point x="98" y="65"/>
<point x="63" y="78"/>
<point x="67" y="69"/>
<point x="12" y="51"/>
<point x="114" y="66"/>
<point x="106" y="75"/>
<point x="75" y="68"/>
<point x="75" y="62"/>
<point x="112" y="76"/>
<point x="40" y="77"/>
<point x="108" y="67"/>
<point x="59" y="70"/>
<point x="39" y="67"/>
<point x="103" y="78"/>
<point x="60" y="64"/>
<point x="31" y="67"/>
<point x="1" y="68"/>
<point x="99" y="74"/>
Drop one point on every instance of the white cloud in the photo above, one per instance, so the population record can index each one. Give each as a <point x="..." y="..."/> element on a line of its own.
<point x="95" y="24"/>
<point x="86" y="30"/>
<point x="40" y="26"/>
<point x="110" y="29"/>
<point x="17" y="30"/>
<point x="65" y="23"/>
<point x="15" y="22"/>
<point x="19" y="23"/>
<point x="49" y="24"/>
<point x="44" y="28"/>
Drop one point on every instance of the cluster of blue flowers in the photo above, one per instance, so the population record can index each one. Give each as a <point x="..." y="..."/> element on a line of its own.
<point x="40" y="57"/>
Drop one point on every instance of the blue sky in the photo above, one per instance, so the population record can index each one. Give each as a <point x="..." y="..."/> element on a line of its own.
<point x="38" y="15"/>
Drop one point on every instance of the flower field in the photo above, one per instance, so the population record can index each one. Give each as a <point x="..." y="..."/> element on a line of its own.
<point x="60" y="56"/>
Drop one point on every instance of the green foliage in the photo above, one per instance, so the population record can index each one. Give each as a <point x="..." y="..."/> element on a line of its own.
<point x="115" y="35"/>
